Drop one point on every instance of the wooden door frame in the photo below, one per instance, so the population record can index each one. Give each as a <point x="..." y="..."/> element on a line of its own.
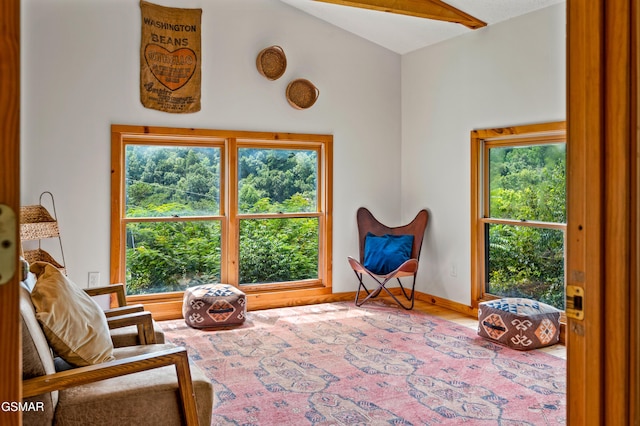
<point x="635" y="220"/>
<point x="10" y="348"/>
<point x="601" y="232"/>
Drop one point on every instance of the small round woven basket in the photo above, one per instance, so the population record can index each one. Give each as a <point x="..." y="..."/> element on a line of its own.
<point x="302" y="94"/>
<point x="271" y="62"/>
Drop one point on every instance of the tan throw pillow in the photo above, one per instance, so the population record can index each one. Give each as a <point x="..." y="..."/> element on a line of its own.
<point x="73" y="323"/>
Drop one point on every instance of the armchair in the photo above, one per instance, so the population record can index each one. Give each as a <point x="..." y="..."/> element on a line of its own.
<point x="145" y="385"/>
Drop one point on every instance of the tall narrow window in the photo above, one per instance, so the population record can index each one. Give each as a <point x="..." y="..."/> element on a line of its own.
<point x="519" y="218"/>
<point x="192" y="206"/>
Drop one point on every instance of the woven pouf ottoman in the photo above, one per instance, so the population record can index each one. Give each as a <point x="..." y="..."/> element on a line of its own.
<point x="519" y="323"/>
<point x="214" y="305"/>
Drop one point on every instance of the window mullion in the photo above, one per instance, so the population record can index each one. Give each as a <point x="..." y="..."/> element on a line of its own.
<point x="486" y="193"/>
<point x="231" y="270"/>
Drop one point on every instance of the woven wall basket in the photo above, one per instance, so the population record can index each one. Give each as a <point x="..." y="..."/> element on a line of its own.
<point x="302" y="94"/>
<point x="271" y="62"/>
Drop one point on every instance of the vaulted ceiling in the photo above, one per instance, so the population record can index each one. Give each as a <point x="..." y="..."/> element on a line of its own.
<point x="406" y="25"/>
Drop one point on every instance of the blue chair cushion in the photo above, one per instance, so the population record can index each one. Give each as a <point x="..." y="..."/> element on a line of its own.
<point x="383" y="254"/>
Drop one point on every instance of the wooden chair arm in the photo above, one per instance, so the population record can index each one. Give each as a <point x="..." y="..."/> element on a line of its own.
<point x="93" y="373"/>
<point x="142" y="320"/>
<point x="118" y="289"/>
<point x="123" y="310"/>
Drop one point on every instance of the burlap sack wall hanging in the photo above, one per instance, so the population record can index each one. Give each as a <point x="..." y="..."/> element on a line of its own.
<point x="170" y="58"/>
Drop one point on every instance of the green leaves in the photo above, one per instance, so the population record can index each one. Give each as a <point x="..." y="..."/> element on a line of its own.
<point x="184" y="182"/>
<point x="171" y="256"/>
<point x="278" y="250"/>
<point x="187" y="177"/>
<point x="527" y="183"/>
<point x="277" y="175"/>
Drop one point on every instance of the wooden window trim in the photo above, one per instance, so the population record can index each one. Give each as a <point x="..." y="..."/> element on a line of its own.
<point x="481" y="141"/>
<point x="166" y="305"/>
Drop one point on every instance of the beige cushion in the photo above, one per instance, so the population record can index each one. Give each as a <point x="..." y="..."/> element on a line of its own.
<point x="75" y="326"/>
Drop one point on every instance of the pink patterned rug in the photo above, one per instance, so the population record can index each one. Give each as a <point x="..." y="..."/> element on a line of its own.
<point x="336" y="364"/>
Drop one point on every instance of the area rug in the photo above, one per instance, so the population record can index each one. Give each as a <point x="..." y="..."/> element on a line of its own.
<point x="336" y="364"/>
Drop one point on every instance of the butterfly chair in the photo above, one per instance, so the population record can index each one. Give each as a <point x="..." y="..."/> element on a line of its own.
<point x="387" y="253"/>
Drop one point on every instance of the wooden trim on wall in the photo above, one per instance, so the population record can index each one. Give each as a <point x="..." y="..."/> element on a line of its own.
<point x="521" y="131"/>
<point x="475" y="214"/>
<point x="171" y="307"/>
<point x="471" y="311"/>
<point x="117" y="255"/>
<point x="634" y="358"/>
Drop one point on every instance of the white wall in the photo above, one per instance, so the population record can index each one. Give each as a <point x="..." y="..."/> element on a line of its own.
<point x="80" y="74"/>
<point x="510" y="73"/>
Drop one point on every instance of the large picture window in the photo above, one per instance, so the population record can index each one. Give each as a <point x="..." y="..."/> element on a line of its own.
<point x="203" y="206"/>
<point x="519" y="213"/>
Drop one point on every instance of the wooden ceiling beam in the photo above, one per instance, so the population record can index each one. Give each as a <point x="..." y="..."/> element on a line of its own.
<point x="429" y="9"/>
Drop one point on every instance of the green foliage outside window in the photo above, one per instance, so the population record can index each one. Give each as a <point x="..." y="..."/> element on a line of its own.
<point x="172" y="181"/>
<point x="183" y="182"/>
<point x="276" y="250"/>
<point x="171" y="256"/>
<point x="272" y="181"/>
<point x="527" y="184"/>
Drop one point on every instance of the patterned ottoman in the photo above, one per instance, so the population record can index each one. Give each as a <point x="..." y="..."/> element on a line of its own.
<point x="213" y="305"/>
<point x="518" y="323"/>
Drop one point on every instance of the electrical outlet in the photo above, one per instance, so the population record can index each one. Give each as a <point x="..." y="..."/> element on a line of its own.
<point x="94" y="279"/>
<point x="454" y="270"/>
